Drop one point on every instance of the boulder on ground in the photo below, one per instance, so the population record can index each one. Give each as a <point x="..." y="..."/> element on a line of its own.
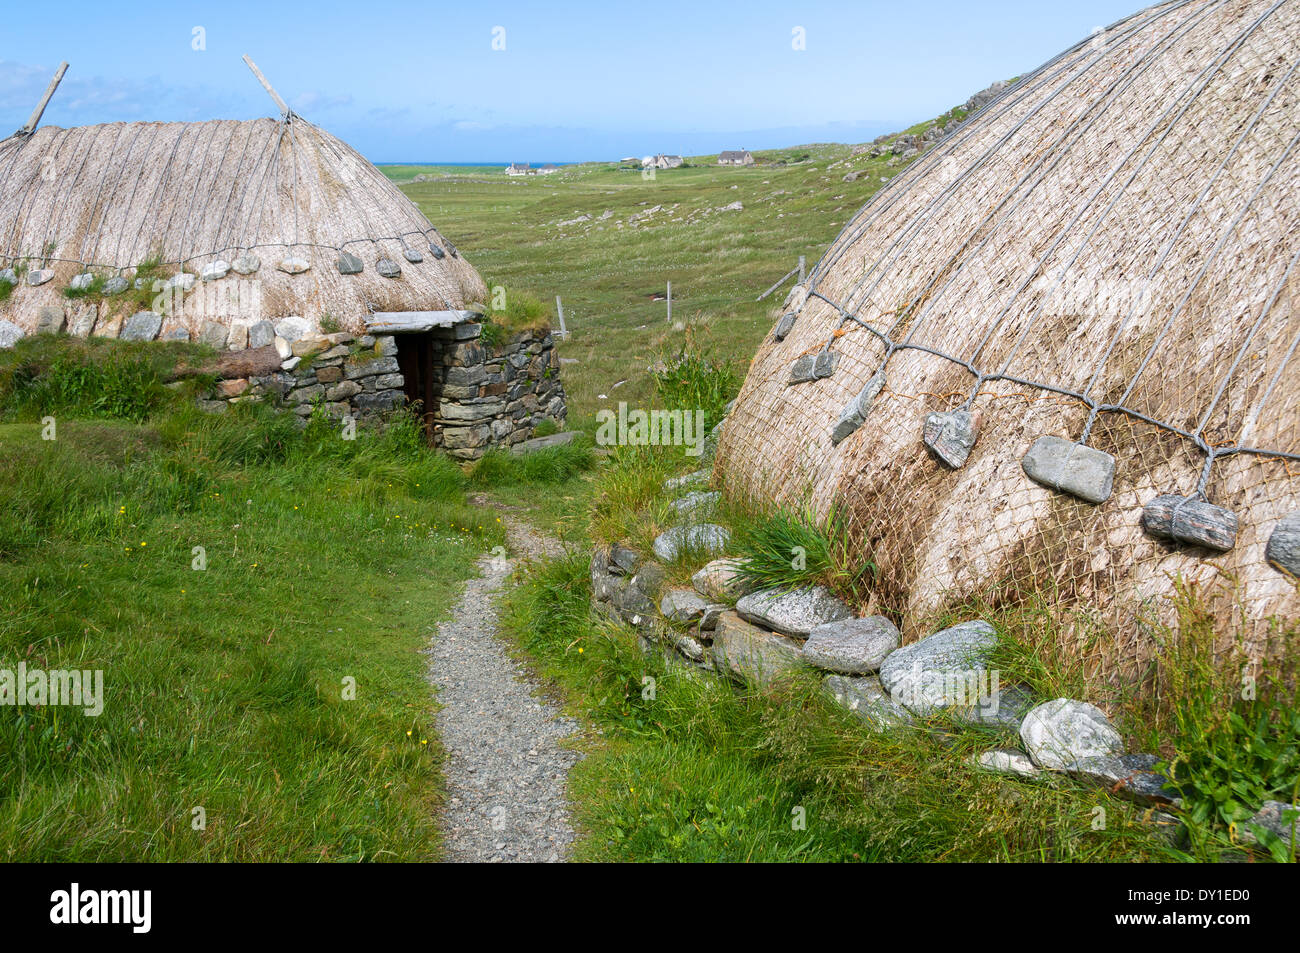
<point x="720" y="579"/>
<point x="793" y="611"/>
<point x="1062" y="732"/>
<point x="1129" y="775"/>
<point x="705" y="538"/>
<point x="749" y="653"/>
<point x="942" y="670"/>
<point x="10" y="334"/>
<point x="852" y="646"/>
<point x="867" y="698"/>
<point x="682" y="605"/>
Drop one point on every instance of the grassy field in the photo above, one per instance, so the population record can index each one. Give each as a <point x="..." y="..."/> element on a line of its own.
<point x="272" y="676"/>
<point x="641" y="233"/>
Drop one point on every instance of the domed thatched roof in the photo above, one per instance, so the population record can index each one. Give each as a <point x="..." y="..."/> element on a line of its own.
<point x="104" y="199"/>
<point x="1105" y="254"/>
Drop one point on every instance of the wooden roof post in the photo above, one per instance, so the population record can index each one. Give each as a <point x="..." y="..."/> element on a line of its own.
<point x="34" y="120"/>
<point x="285" y="111"/>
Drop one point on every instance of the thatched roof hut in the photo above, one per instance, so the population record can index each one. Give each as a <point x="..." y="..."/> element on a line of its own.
<point x="1104" y="254"/>
<point x="277" y="205"/>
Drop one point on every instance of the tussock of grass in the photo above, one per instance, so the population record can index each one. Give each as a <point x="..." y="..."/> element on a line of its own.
<point x="791" y="547"/>
<point x="547" y="466"/>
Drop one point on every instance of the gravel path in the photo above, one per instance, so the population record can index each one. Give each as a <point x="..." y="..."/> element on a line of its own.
<point x="506" y="771"/>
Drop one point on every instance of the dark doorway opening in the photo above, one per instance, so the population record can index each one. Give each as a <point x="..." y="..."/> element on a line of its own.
<point x="417" y="360"/>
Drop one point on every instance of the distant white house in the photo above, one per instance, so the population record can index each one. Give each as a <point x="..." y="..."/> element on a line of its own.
<point x="735" y="158"/>
<point x="661" y="161"/>
<point x="518" y="168"/>
<point x="548" y="169"/>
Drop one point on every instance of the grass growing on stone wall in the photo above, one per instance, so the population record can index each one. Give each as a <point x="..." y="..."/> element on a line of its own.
<point x="226" y="687"/>
<point x="789" y="547"/>
<point x="691" y="768"/>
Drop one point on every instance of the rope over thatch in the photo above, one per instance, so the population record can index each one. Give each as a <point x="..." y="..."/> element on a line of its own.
<point x="107" y="198"/>
<point x="1106" y="254"/>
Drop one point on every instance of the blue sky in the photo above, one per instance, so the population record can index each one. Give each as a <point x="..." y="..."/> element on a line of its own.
<point x="576" y="80"/>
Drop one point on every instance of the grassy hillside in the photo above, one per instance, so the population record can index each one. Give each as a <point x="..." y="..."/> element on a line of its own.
<point x="607" y="240"/>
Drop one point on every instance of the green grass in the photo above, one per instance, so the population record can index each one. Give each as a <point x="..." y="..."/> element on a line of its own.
<point x="326" y="560"/>
<point x="539" y="468"/>
<point x="786" y="548"/>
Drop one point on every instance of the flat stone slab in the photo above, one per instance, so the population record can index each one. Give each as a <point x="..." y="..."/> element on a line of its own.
<point x="1283" y="549"/>
<point x="1060" y="733"/>
<point x="751" y="654"/>
<point x="50" y="319"/>
<point x="294" y="265"/>
<point x="1190" y="521"/>
<point x="943" y="670"/>
<point x="39" y="276"/>
<point x="292" y="328"/>
<point x="698" y="502"/>
<point x="707" y="539"/>
<point x="388" y="268"/>
<point x="349" y="264"/>
<point x="541" y="443"/>
<point x="82" y="281"/>
<point x="793" y="611"/>
<point x="867" y="698"/>
<point x="682" y="605"/>
<point x="1007" y="761"/>
<point x="1071" y="467"/>
<point x="720" y="579"/>
<point x="855" y="413"/>
<point x="141" y="326"/>
<point x="412" y="255"/>
<point x="784" y="326"/>
<point x="852" y="646"/>
<point x="951" y="436"/>
<point x="261" y="334"/>
<point x="1132" y="776"/>
<point x="215" y="271"/>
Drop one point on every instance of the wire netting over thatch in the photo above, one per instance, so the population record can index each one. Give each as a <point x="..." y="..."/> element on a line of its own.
<point x="104" y="199"/>
<point x="1105" y="253"/>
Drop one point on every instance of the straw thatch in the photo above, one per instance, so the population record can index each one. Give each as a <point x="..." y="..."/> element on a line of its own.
<point x="1104" y="253"/>
<point x="104" y="199"/>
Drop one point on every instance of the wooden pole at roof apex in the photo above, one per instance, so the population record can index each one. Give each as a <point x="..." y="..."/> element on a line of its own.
<point x="285" y="111"/>
<point x="34" y="120"/>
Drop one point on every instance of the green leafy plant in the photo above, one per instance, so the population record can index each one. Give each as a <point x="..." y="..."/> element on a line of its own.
<point x="787" y="548"/>
<point x="693" y="379"/>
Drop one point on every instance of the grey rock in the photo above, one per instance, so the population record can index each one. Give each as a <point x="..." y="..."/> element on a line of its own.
<point x="698" y="478"/>
<point x="941" y="670"/>
<point x="1279" y="819"/>
<point x="997" y="707"/>
<point x="867" y="698"/>
<point x="751" y="654"/>
<point x="182" y="280"/>
<point x="681" y="605"/>
<point x="294" y="265"/>
<point x="1191" y="521"/>
<point x="82" y="320"/>
<point x="8" y="276"/>
<point x="388" y="268"/>
<point x="705" y="538"/>
<point x="1071" y="467"/>
<point x="141" y="326"/>
<point x="261" y="334"/>
<point x="412" y="255"/>
<point x="793" y="611"/>
<point x="1059" y="733"/>
<point x="49" y="319"/>
<point x="720" y="580"/>
<point x="801" y="371"/>
<point x="1007" y="761"/>
<point x="306" y="394"/>
<point x="688" y="646"/>
<point x="177" y="334"/>
<point x="951" y="436"/>
<point x="215" y="270"/>
<point x="825" y="363"/>
<point x="467" y="330"/>
<point x="855" y="412"/>
<point x="246" y="264"/>
<point x="385" y="345"/>
<point x="350" y="264"/>
<point x="852" y="646"/>
<point x="343" y="390"/>
<point x="213" y="334"/>
<point x="10" y="334"/>
<point x="623" y="560"/>
<point x="39" y="276"/>
<point x="116" y="285"/>
<point x="697" y="503"/>
<point x="1132" y="776"/>
<point x="1283" y="549"/>
<point x="292" y="328"/>
<point x="381" y="401"/>
<point x="784" y="326"/>
<point x="82" y="281"/>
<point x="541" y="443"/>
<point x="382" y="365"/>
<point x="712" y="612"/>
